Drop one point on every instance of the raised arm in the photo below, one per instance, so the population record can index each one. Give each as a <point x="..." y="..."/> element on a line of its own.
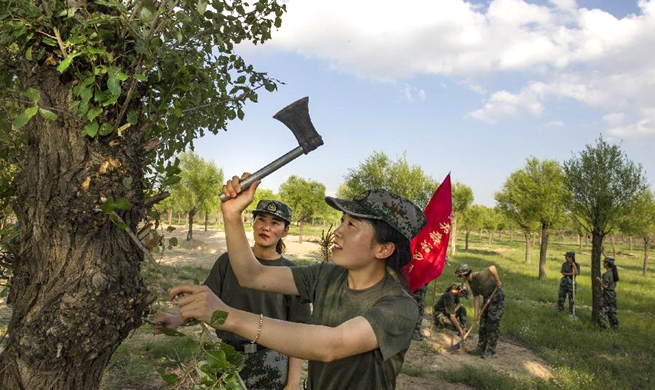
<point x="249" y="271"/>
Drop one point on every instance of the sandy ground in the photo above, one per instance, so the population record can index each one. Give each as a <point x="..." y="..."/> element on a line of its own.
<point x="423" y="360"/>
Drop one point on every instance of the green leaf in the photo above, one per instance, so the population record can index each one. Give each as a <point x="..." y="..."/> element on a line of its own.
<point x="117" y="222"/>
<point x="166" y="377"/>
<point x="218" y="318"/>
<point x="171" y="332"/>
<point x="107" y="206"/>
<point x="114" y="86"/>
<point x="133" y="117"/>
<point x="140" y="77"/>
<point x="170" y="229"/>
<point x="48" y="114"/>
<point x="49" y="41"/>
<point x="127" y="182"/>
<point x="61" y="68"/>
<point x="28" y="53"/>
<point x="33" y="95"/>
<point x="23" y="118"/>
<point x="173" y="240"/>
<point x="106" y="129"/>
<point x="202" y="6"/>
<point x="122" y="204"/>
<point x="93" y="113"/>
<point x="91" y="129"/>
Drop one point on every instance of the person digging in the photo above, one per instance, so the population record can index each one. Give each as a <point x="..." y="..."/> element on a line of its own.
<point x="485" y="283"/>
<point x="448" y="312"/>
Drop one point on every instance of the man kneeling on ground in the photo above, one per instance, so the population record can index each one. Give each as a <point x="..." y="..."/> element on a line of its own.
<point x="449" y="312"/>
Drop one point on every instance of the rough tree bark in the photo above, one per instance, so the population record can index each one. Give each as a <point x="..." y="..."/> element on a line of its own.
<point x="646" y="252"/>
<point x="527" y="247"/>
<point x="77" y="290"/>
<point x="597" y="291"/>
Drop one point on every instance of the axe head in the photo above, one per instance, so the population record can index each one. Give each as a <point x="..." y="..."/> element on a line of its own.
<point x="296" y="117"/>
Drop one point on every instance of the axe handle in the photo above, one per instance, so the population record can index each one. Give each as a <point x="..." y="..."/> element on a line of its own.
<point x="270" y="168"/>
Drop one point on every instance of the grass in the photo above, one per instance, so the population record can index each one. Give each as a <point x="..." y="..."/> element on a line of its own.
<point x="581" y="356"/>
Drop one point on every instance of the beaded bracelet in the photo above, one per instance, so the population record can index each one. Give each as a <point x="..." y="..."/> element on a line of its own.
<point x="259" y="331"/>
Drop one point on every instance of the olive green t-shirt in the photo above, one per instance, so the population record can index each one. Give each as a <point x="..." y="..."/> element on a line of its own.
<point x="389" y="309"/>
<point x="224" y="283"/>
<point x="608" y="280"/>
<point x="446" y="303"/>
<point x="483" y="283"/>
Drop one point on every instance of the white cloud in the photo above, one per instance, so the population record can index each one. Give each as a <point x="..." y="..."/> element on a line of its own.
<point x="643" y="128"/>
<point x="587" y="55"/>
<point x="410" y="93"/>
<point x="554" y="124"/>
<point x="614" y="118"/>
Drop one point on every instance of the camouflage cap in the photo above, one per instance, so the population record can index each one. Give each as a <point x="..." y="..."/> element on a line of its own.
<point x="401" y="214"/>
<point x="570" y="254"/>
<point x="462" y="269"/>
<point x="609" y="261"/>
<point x="273" y="207"/>
<point x="463" y="290"/>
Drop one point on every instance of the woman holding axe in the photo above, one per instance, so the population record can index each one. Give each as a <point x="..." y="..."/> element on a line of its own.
<point x="485" y="283"/>
<point x="362" y="320"/>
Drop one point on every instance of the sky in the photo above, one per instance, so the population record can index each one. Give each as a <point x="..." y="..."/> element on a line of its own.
<point x="468" y="88"/>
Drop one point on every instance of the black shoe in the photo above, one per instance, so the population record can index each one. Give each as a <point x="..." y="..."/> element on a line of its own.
<point x="475" y="352"/>
<point x="489" y="355"/>
<point x="418" y="337"/>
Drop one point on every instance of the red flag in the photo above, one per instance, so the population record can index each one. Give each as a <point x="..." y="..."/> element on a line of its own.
<point x="430" y="245"/>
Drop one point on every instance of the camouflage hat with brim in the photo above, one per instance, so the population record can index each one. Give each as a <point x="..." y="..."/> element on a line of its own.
<point x="570" y="254"/>
<point x="609" y="260"/>
<point x="401" y="214"/>
<point x="273" y="207"/>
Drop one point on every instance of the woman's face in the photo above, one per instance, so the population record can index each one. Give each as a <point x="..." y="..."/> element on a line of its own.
<point x="568" y="259"/>
<point x="267" y="230"/>
<point x="354" y="244"/>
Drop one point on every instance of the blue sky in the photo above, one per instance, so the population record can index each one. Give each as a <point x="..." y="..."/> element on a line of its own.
<point x="471" y="88"/>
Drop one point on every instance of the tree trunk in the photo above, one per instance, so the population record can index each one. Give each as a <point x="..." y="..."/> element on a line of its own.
<point x="646" y="250"/>
<point x="453" y="236"/>
<point x="527" y="247"/>
<point x="468" y="233"/>
<point x="77" y="290"/>
<point x="491" y="236"/>
<point x="190" y="215"/>
<point x="300" y="226"/>
<point x="630" y="243"/>
<point x="511" y="234"/>
<point x="206" y="221"/>
<point x="613" y="241"/>
<point x="170" y="217"/>
<point x="586" y="240"/>
<point x="480" y="234"/>
<point x="579" y="242"/>
<point x="543" y="251"/>
<point x="597" y="292"/>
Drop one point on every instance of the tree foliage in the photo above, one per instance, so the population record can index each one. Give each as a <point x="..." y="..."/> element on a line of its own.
<point x="462" y="200"/>
<point x="640" y="222"/>
<point x="198" y="189"/>
<point x="603" y="182"/>
<point x="399" y="177"/>
<point x="306" y="198"/>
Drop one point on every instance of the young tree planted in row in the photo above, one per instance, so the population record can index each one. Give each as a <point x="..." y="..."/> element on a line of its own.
<point x="603" y="183"/>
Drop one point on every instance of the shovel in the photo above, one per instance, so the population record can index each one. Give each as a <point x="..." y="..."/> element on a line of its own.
<point x="456" y="347"/>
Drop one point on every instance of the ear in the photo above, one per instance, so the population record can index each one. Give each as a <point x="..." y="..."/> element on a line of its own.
<point x="385" y="250"/>
<point x="286" y="231"/>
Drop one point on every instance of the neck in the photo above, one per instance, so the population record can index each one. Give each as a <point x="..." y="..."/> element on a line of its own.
<point x="364" y="278"/>
<point x="265" y="253"/>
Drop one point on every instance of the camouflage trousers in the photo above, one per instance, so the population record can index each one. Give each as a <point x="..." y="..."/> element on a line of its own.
<point x="607" y="313"/>
<point x="419" y="297"/>
<point x="490" y="323"/>
<point x="566" y="290"/>
<point x="442" y="320"/>
<point x="265" y="370"/>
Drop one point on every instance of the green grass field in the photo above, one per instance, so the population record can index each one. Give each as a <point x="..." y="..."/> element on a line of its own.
<point x="581" y="355"/>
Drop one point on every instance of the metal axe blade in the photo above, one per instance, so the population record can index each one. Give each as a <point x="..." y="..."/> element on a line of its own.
<point x="296" y="117"/>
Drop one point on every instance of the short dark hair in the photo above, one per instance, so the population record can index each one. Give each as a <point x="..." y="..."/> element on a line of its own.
<point x="401" y="256"/>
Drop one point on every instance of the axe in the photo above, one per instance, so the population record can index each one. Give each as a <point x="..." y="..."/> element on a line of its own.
<point x="296" y="117"/>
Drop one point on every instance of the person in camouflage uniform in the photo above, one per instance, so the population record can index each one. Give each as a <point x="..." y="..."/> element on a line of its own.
<point x="264" y="369"/>
<point x="569" y="271"/>
<point x="448" y="312"/>
<point x="485" y="283"/>
<point x="419" y="297"/>
<point x="363" y="316"/>
<point x="607" y="314"/>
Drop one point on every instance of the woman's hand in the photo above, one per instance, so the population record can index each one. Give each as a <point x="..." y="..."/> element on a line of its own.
<point x="196" y="301"/>
<point x="237" y="202"/>
<point x="169" y="320"/>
